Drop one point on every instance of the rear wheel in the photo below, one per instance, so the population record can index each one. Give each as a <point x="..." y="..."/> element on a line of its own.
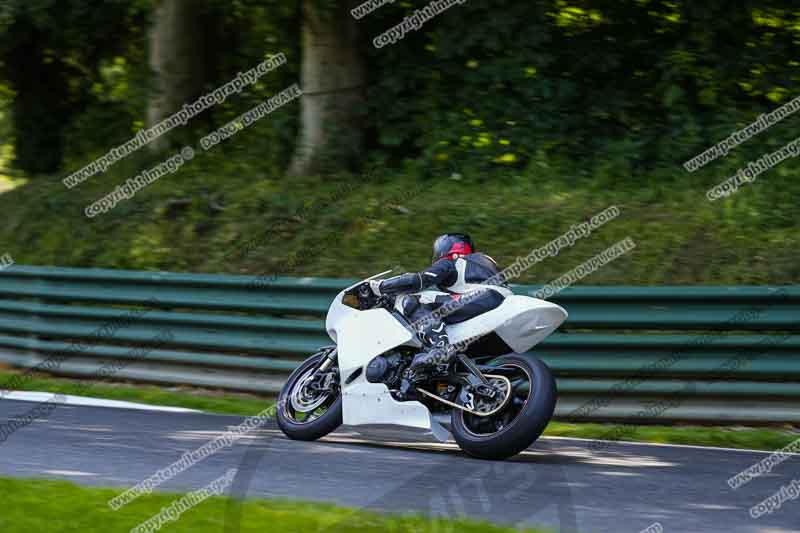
<point x="310" y="403"/>
<point x="520" y="422"/>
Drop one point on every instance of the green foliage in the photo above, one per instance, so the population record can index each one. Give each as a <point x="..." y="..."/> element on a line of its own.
<point x="517" y="119"/>
<point x="641" y="84"/>
<point x="241" y="33"/>
<point x="50" y="53"/>
<point x="6" y="97"/>
<point x="637" y="84"/>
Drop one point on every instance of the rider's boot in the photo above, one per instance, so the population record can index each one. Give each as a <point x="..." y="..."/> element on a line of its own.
<point x="437" y="358"/>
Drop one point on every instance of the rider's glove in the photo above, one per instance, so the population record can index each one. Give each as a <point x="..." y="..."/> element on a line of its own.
<point x="375" y="285"/>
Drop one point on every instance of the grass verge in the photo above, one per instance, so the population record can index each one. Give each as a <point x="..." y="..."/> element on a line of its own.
<point x="247" y="404"/>
<point x="34" y="505"/>
<point x="767" y="439"/>
<point x="227" y="213"/>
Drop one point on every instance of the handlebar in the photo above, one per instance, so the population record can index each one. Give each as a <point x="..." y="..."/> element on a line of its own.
<point x="367" y="299"/>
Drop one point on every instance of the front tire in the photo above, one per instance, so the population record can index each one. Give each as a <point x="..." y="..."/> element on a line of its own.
<point x="326" y="415"/>
<point x="517" y="425"/>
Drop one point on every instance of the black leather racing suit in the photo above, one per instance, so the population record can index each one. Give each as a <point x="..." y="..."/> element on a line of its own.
<point x="453" y="279"/>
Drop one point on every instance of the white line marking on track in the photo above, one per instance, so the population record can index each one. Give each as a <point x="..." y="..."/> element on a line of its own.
<point x="83" y="401"/>
<point x="665" y="445"/>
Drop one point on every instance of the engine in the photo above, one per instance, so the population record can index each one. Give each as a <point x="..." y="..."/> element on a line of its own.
<point x="386" y="369"/>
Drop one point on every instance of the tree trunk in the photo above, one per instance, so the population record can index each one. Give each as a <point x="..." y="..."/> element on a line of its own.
<point x="333" y="77"/>
<point x="41" y="106"/>
<point x="177" y="56"/>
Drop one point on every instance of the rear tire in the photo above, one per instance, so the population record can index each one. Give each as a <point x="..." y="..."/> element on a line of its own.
<point x="528" y="424"/>
<point x="317" y="427"/>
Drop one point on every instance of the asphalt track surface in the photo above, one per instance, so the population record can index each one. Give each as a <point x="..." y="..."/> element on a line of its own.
<point x="558" y="483"/>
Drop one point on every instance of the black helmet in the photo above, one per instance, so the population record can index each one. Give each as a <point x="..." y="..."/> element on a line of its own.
<point x="452" y="243"/>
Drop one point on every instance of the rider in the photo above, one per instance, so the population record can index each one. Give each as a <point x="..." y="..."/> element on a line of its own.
<point x="457" y="270"/>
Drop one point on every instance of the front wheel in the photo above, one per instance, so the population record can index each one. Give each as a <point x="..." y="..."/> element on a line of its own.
<point x="520" y="422"/>
<point x="310" y="403"/>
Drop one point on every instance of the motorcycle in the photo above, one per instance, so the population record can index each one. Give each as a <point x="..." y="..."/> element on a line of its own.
<point x="494" y="399"/>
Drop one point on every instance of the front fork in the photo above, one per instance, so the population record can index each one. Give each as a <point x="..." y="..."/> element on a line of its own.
<point x="330" y="359"/>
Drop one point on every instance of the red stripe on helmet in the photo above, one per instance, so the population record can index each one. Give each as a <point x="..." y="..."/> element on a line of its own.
<point x="460" y="248"/>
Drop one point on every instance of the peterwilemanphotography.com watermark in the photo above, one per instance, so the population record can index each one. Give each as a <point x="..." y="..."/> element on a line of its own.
<point x="180" y="118"/>
<point x="250" y="117"/>
<point x="362" y="10"/>
<point x="173" y="511"/>
<point x="173" y="163"/>
<point x="722" y="148"/>
<point x="134" y="185"/>
<point x="765" y="465"/>
<point x="189" y="459"/>
<point x="585" y="269"/>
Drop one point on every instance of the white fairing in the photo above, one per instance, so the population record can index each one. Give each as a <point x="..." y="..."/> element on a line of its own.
<point x="371" y="403"/>
<point x="521" y="321"/>
<point x="360" y="336"/>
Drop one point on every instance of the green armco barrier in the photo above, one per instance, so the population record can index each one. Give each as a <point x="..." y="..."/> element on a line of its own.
<point x="716" y="354"/>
